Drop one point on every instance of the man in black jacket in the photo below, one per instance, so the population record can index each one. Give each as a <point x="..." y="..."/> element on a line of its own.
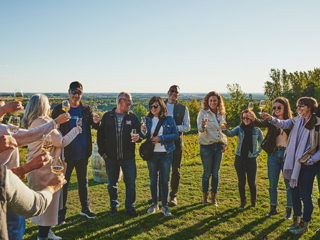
<point x="117" y="147"/>
<point x="77" y="153"/>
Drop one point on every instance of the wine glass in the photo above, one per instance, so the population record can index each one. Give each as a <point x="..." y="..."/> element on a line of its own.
<point x="13" y="125"/>
<point x="262" y="105"/>
<point x="79" y="122"/>
<point x="206" y="118"/>
<point x="133" y="132"/>
<point x="65" y="105"/>
<point x="46" y="143"/>
<point x="143" y="123"/>
<point x="57" y="165"/>
<point x="250" y="106"/>
<point x="18" y="95"/>
<point x="223" y="121"/>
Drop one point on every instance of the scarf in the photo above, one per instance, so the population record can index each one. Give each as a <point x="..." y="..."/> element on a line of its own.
<point x="296" y="147"/>
<point x="247" y="144"/>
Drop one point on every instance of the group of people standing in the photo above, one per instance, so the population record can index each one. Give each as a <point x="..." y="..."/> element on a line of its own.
<point x="291" y="145"/>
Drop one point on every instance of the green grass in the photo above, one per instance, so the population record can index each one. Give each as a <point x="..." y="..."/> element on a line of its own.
<point x="191" y="219"/>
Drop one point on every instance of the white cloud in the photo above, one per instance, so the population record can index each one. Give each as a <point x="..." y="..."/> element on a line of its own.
<point x="4" y="65"/>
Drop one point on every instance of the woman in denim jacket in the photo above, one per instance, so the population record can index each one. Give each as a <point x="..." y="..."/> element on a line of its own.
<point x="160" y="164"/>
<point x="249" y="137"/>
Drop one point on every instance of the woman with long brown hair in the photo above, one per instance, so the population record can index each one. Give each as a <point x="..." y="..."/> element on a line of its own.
<point x="275" y="144"/>
<point x="212" y="143"/>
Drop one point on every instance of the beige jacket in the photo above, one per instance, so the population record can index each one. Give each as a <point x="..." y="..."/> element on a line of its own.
<point x="212" y="133"/>
<point x="37" y="179"/>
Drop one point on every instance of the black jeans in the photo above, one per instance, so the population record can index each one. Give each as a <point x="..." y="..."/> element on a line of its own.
<point x="249" y="171"/>
<point x="176" y="175"/>
<point x="81" y="167"/>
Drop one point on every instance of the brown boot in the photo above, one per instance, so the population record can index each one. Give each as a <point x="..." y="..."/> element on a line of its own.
<point x="205" y="199"/>
<point x="243" y="202"/>
<point x="296" y="223"/>
<point x="214" y="199"/>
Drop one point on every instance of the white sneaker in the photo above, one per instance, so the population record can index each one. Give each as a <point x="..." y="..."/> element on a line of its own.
<point x="154" y="207"/>
<point x="52" y="236"/>
<point x="166" y="211"/>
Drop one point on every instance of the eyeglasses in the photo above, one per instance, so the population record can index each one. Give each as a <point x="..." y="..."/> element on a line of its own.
<point x="173" y="91"/>
<point x="300" y="105"/>
<point x="274" y="108"/>
<point x="74" y="92"/>
<point x="245" y="118"/>
<point x="153" y="106"/>
<point x="127" y="100"/>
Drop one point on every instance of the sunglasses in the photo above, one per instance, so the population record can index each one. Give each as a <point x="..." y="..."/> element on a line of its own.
<point x="245" y="118"/>
<point x="127" y="100"/>
<point x="153" y="106"/>
<point x="173" y="91"/>
<point x="274" y="108"/>
<point x="74" y="92"/>
<point x="300" y="105"/>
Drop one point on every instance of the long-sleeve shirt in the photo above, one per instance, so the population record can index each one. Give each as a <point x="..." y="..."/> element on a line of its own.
<point x="288" y="124"/>
<point x="185" y="127"/>
<point x="10" y="157"/>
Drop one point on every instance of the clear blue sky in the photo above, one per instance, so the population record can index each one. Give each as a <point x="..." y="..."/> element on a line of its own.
<point x="148" y="45"/>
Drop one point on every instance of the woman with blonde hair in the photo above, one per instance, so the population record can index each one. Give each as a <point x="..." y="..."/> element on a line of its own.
<point x="36" y="114"/>
<point x="212" y="143"/>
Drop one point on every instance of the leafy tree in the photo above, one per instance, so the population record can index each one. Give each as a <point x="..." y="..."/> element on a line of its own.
<point x="194" y="108"/>
<point x="235" y="104"/>
<point x="140" y="111"/>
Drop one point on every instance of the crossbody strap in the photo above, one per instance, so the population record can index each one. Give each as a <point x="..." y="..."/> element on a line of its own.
<point x="161" y="120"/>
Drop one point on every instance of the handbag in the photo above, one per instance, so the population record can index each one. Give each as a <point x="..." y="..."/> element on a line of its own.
<point x="146" y="148"/>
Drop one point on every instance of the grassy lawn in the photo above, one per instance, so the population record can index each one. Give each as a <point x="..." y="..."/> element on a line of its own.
<point x="191" y="219"/>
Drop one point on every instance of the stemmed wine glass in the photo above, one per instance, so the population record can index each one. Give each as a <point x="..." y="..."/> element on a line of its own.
<point x="13" y="125"/>
<point x="65" y="105"/>
<point x="250" y="106"/>
<point x="223" y="121"/>
<point x="143" y="123"/>
<point x="206" y="118"/>
<point x="46" y="143"/>
<point x="57" y="165"/>
<point x="79" y="122"/>
<point x="133" y="132"/>
<point x="262" y="105"/>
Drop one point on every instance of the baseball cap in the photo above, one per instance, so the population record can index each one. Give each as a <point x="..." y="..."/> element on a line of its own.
<point x="76" y="86"/>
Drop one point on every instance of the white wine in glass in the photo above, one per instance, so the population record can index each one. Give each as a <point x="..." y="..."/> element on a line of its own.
<point x="66" y="106"/>
<point x="46" y="143"/>
<point x="13" y="125"/>
<point x="18" y="95"/>
<point x="262" y="105"/>
<point x="143" y="123"/>
<point x="57" y="165"/>
<point x="133" y="132"/>
<point x="250" y="106"/>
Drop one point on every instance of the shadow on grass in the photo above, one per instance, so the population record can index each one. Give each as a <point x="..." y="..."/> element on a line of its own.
<point x="245" y="229"/>
<point x="205" y="225"/>
<point x="264" y="233"/>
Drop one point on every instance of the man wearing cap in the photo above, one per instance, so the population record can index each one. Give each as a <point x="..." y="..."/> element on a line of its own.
<point x="180" y="114"/>
<point x="77" y="153"/>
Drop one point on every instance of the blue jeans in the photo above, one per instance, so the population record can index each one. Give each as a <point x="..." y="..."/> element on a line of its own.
<point x="304" y="192"/>
<point x="160" y="164"/>
<point x="275" y="166"/>
<point x="211" y="157"/>
<point x="129" y="170"/>
<point x="16" y="226"/>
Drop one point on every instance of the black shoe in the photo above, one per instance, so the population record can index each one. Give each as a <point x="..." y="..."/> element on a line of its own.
<point x="88" y="213"/>
<point x="273" y="211"/>
<point x="113" y="210"/>
<point x="132" y="213"/>
<point x="288" y="213"/>
<point x="61" y="220"/>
